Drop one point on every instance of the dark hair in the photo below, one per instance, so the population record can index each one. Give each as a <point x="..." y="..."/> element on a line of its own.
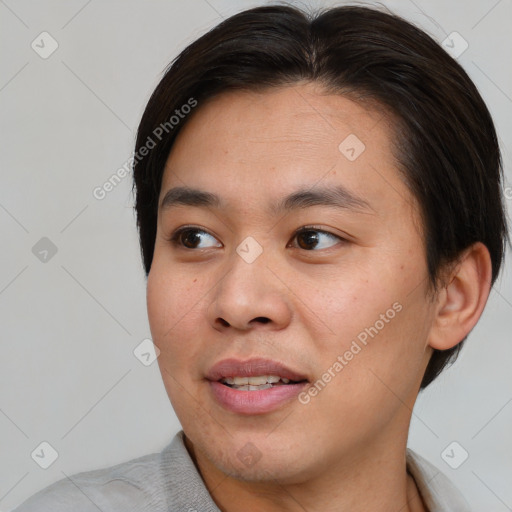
<point x="445" y="142"/>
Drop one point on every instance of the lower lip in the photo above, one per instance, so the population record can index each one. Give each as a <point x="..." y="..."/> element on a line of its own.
<point x="255" y="402"/>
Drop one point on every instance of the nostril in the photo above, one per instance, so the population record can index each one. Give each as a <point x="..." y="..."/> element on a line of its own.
<point x="263" y="319"/>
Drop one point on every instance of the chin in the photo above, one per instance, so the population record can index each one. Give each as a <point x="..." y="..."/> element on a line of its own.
<point x="258" y="457"/>
<point x="267" y="469"/>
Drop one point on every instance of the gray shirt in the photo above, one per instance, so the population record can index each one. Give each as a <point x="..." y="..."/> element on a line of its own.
<point x="169" y="481"/>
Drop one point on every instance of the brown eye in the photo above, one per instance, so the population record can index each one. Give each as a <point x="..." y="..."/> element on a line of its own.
<point x="310" y="238"/>
<point x="189" y="238"/>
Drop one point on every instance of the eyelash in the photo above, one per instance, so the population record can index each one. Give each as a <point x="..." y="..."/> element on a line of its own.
<point x="175" y="237"/>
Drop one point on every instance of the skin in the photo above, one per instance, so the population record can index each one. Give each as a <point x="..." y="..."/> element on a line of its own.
<point x="345" y="449"/>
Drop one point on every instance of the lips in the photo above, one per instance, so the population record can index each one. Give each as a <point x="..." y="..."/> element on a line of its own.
<point x="251" y="368"/>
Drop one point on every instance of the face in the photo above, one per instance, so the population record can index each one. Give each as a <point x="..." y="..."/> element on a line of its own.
<point x="333" y="288"/>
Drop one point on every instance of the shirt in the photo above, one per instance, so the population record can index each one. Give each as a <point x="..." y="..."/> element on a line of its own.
<point x="170" y="482"/>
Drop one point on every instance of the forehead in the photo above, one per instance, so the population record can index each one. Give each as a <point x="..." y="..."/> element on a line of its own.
<point x="250" y="146"/>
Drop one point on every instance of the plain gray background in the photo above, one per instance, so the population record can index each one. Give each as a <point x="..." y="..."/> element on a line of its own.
<point x="69" y="325"/>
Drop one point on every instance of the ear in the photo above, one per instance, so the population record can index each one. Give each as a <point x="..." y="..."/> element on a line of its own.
<point x="461" y="302"/>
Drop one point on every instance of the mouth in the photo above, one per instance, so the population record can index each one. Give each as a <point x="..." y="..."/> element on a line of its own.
<point x="256" y="372"/>
<point x="256" y="386"/>
<point x="258" y="382"/>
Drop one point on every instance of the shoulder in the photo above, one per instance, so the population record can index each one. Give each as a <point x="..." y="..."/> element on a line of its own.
<point x="158" y="482"/>
<point x="133" y="485"/>
<point x="436" y="489"/>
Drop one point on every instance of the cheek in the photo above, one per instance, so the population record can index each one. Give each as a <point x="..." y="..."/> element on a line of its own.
<point x="373" y="314"/>
<point x="175" y="304"/>
<point x="386" y="353"/>
<point x="175" y="314"/>
<point x="349" y="301"/>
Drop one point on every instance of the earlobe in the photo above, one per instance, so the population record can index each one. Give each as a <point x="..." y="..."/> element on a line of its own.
<point x="463" y="298"/>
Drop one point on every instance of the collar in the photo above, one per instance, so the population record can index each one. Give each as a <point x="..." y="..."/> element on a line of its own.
<point x="186" y="490"/>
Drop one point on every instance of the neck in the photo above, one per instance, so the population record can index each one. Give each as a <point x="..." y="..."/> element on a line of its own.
<point x="373" y="479"/>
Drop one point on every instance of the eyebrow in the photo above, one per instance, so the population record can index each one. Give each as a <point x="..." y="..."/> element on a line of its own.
<point x="334" y="196"/>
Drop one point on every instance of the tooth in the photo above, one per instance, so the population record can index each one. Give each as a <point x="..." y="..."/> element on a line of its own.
<point x="248" y="387"/>
<point x="258" y="380"/>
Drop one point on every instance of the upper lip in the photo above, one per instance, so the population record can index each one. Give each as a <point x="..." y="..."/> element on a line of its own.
<point x="252" y="367"/>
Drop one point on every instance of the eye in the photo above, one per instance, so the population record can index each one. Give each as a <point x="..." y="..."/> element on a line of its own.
<point x="189" y="237"/>
<point x="310" y="235"/>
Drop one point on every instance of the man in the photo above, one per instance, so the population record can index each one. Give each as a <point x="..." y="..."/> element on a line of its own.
<point x="318" y="201"/>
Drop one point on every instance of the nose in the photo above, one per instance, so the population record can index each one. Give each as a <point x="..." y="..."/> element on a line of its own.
<point x="250" y="296"/>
